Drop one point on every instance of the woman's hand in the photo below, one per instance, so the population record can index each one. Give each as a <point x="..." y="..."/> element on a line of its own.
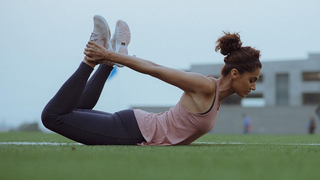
<point x="95" y="52"/>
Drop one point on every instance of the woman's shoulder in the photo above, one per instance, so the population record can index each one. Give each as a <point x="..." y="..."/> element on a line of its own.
<point x="214" y="82"/>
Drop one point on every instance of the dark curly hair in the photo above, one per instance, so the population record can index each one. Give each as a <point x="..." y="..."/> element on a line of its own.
<point x="242" y="58"/>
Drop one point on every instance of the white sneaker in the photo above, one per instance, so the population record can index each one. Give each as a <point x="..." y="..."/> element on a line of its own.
<point x="121" y="39"/>
<point x="101" y="32"/>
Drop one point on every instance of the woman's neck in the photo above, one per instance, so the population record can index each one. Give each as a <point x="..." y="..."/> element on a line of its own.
<point x="225" y="88"/>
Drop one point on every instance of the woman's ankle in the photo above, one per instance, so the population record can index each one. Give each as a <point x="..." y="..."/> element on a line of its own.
<point x="92" y="64"/>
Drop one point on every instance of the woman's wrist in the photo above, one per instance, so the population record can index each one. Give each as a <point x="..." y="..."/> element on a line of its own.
<point x="108" y="55"/>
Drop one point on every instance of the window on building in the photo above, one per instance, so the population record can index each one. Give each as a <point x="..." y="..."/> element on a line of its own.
<point x="253" y="100"/>
<point x="311" y="98"/>
<point x="260" y="80"/>
<point x="282" y="89"/>
<point x="217" y="76"/>
<point x="311" y="76"/>
<point x="254" y="95"/>
<point x="234" y="99"/>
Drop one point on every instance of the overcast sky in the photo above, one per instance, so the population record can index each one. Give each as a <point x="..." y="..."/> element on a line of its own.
<point x="42" y="43"/>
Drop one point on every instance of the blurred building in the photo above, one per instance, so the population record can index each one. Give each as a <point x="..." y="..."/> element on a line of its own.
<point x="286" y="95"/>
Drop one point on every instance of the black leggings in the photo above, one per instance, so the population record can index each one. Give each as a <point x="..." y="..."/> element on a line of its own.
<point x="70" y="113"/>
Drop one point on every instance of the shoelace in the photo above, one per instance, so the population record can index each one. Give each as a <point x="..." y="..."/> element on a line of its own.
<point x="94" y="36"/>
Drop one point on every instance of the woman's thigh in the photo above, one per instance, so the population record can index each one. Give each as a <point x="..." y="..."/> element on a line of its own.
<point x="99" y="128"/>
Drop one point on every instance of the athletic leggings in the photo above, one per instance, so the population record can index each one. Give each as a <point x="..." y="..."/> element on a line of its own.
<point x="70" y="113"/>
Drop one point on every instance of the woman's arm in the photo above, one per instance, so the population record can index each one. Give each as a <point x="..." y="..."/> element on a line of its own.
<point x="188" y="82"/>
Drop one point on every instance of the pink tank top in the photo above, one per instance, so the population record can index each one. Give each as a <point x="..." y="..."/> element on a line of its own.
<point x="178" y="126"/>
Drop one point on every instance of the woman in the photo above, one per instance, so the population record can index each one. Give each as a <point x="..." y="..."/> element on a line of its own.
<point x="70" y="113"/>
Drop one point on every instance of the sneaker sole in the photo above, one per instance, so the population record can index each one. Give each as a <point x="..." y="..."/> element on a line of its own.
<point x="122" y="38"/>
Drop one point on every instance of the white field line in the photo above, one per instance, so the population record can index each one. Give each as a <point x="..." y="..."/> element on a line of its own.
<point x="205" y="143"/>
<point x="38" y="143"/>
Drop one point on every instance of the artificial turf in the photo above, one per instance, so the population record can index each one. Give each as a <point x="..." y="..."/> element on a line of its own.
<point x="223" y="157"/>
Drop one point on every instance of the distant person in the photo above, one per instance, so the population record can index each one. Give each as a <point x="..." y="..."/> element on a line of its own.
<point x="70" y="112"/>
<point x="311" y="125"/>
<point x="318" y="111"/>
<point x="247" y="125"/>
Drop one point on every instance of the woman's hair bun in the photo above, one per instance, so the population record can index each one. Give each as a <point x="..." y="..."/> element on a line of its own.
<point x="228" y="43"/>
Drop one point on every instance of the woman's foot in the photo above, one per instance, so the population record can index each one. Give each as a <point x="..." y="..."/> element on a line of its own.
<point x="101" y="34"/>
<point x="121" y="39"/>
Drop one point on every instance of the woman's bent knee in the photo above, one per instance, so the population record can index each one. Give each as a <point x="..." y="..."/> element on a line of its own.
<point x="49" y="119"/>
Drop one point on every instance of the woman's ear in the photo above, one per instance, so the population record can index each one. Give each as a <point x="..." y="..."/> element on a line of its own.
<point x="234" y="74"/>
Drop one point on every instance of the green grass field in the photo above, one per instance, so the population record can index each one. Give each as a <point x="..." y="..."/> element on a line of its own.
<point x="258" y="157"/>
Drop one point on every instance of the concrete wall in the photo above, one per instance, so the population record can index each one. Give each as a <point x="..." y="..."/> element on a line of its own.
<point x="266" y="120"/>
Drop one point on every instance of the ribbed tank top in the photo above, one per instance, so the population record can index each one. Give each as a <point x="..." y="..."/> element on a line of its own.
<point x="178" y="126"/>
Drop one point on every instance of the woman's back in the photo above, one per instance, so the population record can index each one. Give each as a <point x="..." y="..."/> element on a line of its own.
<point x="178" y="126"/>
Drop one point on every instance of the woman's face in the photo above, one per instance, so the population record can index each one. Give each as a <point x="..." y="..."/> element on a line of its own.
<point x="244" y="83"/>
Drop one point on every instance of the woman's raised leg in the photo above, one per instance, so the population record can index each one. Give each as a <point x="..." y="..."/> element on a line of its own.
<point x="94" y="87"/>
<point x="88" y="126"/>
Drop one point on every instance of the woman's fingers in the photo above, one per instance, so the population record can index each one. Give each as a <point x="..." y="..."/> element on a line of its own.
<point x="94" y="52"/>
<point x="89" y="58"/>
<point x="91" y="44"/>
<point x="88" y="44"/>
<point x="90" y="50"/>
<point x="87" y="51"/>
